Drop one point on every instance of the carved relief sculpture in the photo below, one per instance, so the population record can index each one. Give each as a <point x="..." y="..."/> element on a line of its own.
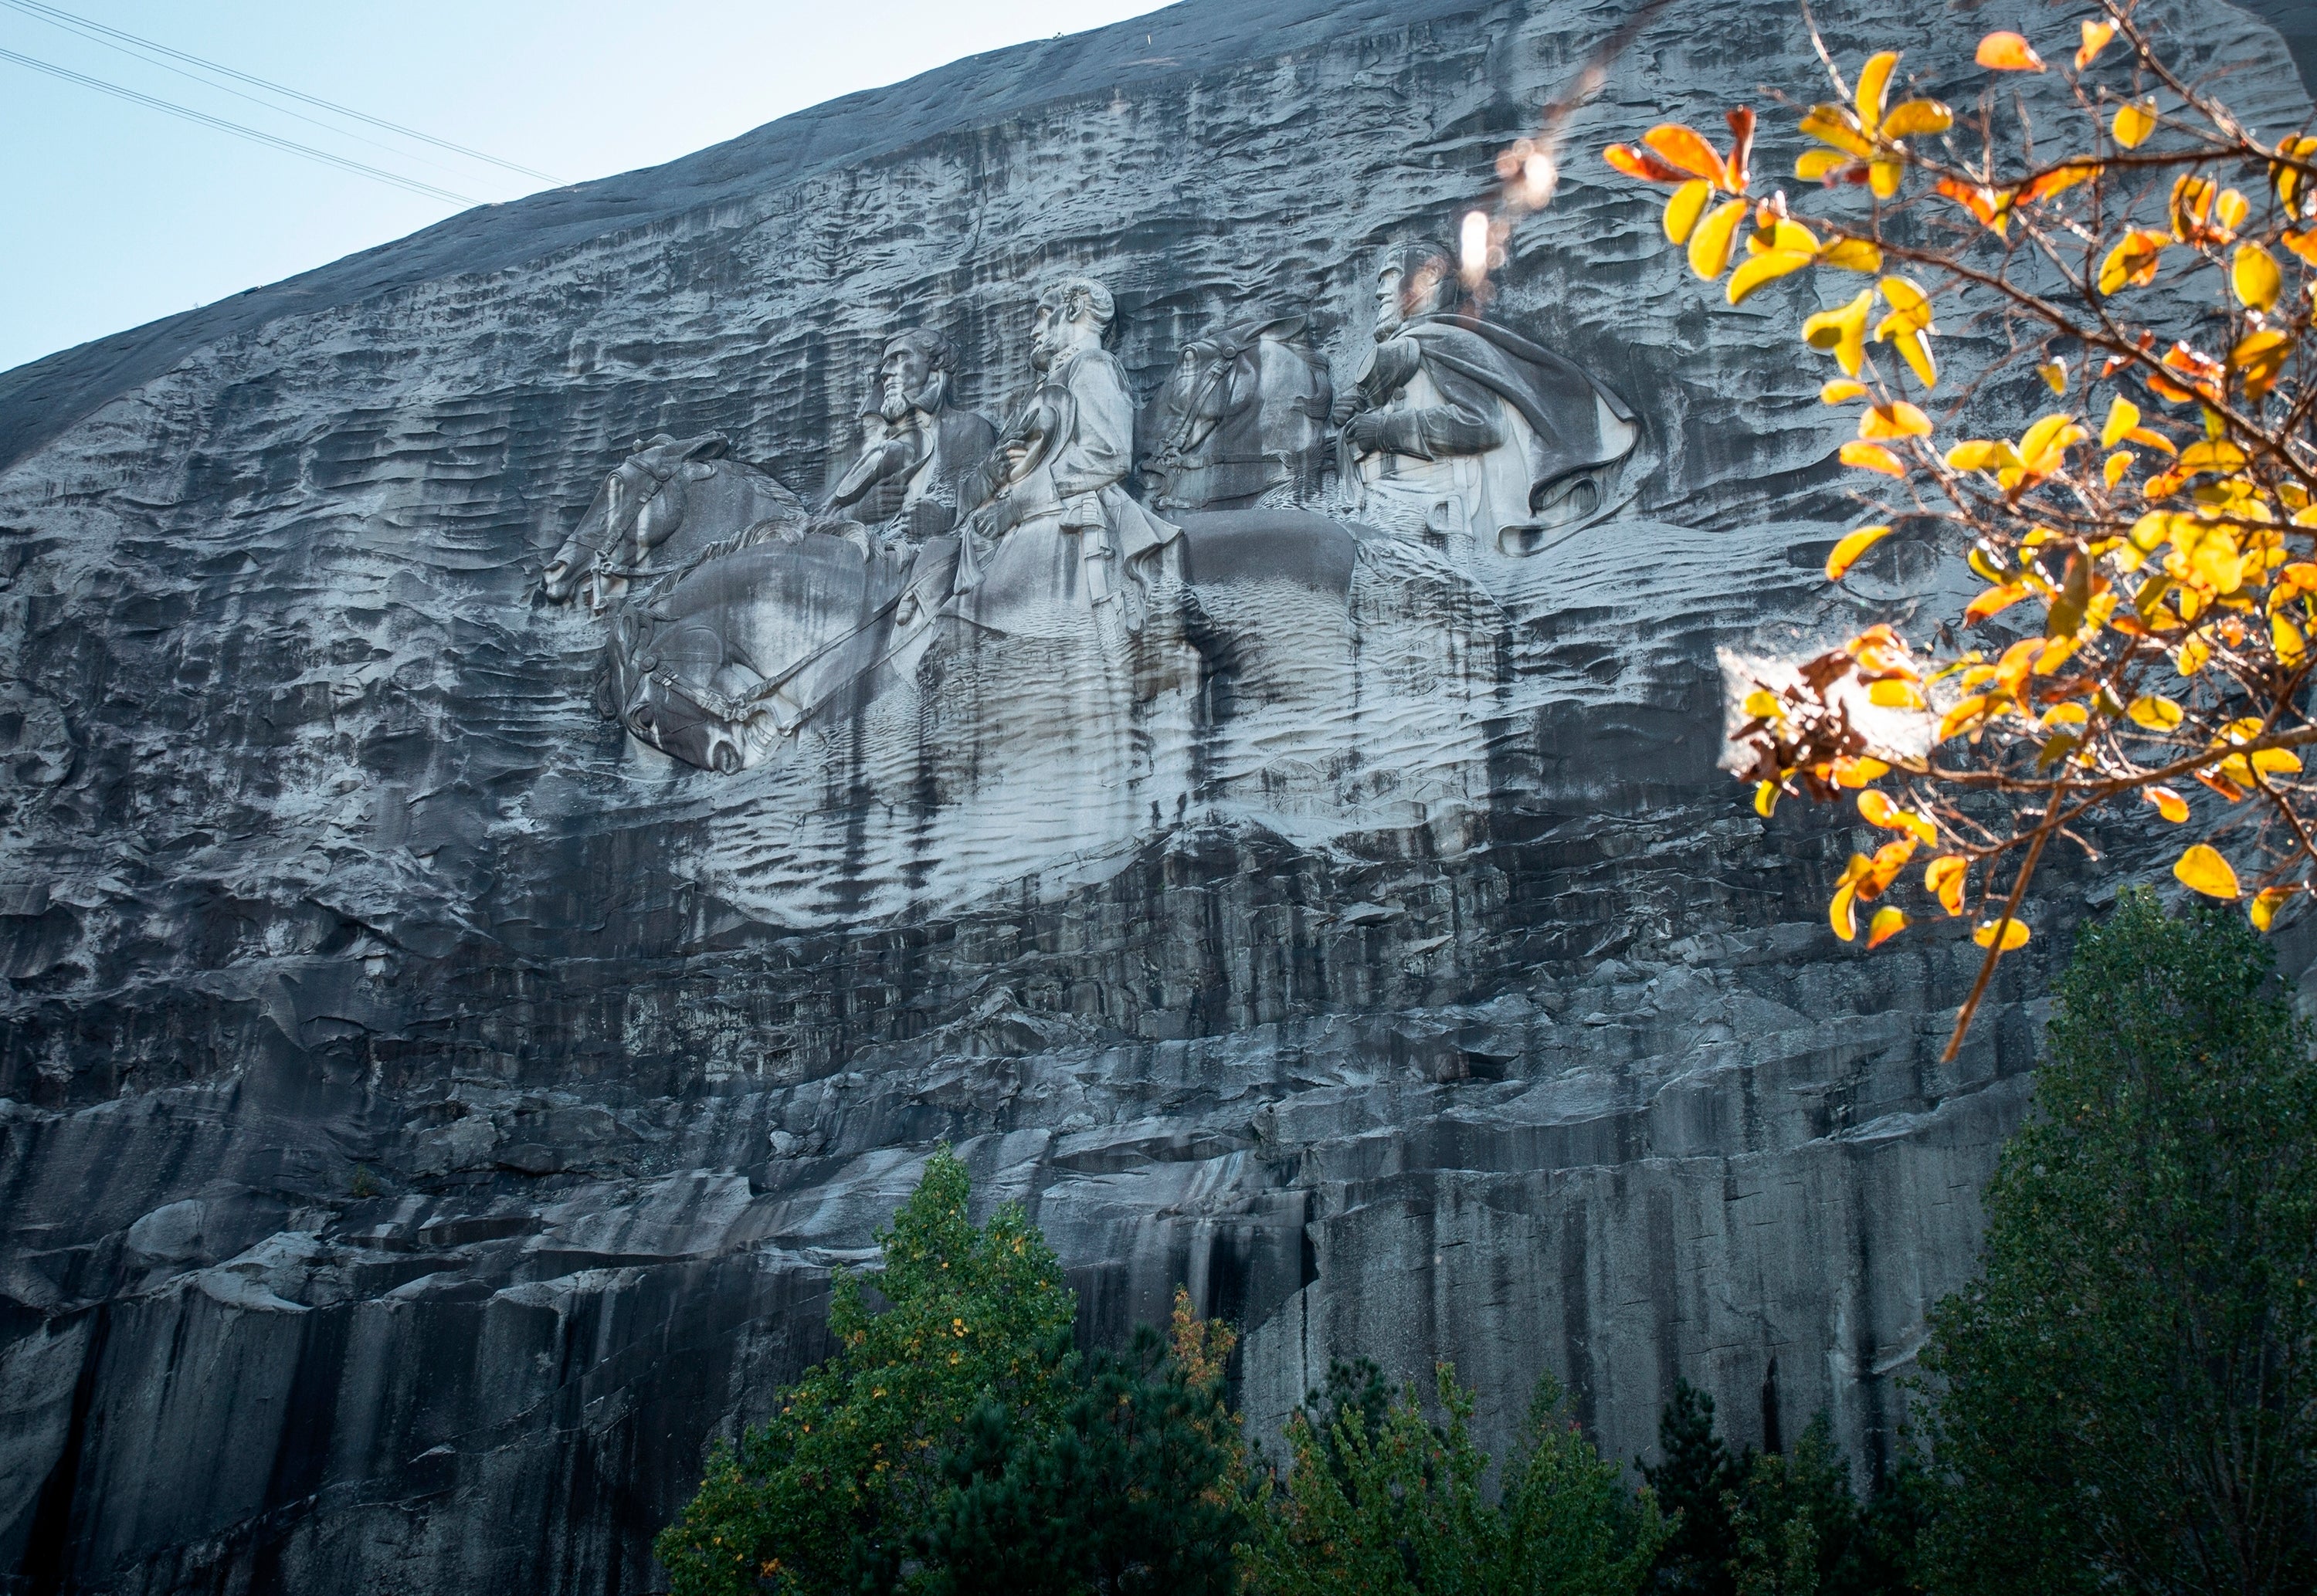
<point x="1245" y="415"/>
<point x="919" y="445"/>
<point x="1064" y="535"/>
<point x="1460" y="430"/>
<point x="734" y="616"/>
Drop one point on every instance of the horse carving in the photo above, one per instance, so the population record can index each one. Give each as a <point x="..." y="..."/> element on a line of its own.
<point x="1244" y="413"/>
<point x="670" y="504"/>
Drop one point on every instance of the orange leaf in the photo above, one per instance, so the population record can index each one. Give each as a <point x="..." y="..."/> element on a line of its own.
<point x="1888" y="922"/>
<point x="1641" y="163"/>
<point x="1943" y="876"/>
<point x="1993" y="601"/>
<point x="1687" y="150"/>
<point x="2096" y="37"/>
<point x="2008" y="52"/>
<point x="2169" y="803"/>
<point x="1993" y="206"/>
<point x="2057" y="179"/>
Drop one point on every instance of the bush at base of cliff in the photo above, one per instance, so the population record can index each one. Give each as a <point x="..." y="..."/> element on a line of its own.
<point x="831" y="1494"/>
<point x="1383" y="1501"/>
<point x="2125" y="1399"/>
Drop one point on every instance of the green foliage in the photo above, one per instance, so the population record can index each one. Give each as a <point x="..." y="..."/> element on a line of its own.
<point x="830" y="1494"/>
<point x="1385" y="1501"/>
<point x="1693" y="1484"/>
<point x="2125" y="1398"/>
<point x="1133" y="1491"/>
<point x="1775" y="1525"/>
<point x="1795" y="1522"/>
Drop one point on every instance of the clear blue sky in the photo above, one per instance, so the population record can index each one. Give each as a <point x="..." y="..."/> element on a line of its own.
<point x="112" y="214"/>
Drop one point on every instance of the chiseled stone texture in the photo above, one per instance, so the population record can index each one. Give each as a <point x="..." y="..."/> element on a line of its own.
<point x="418" y="1136"/>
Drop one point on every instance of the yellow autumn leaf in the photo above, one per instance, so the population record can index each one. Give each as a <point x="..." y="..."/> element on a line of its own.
<point x="1873" y="457"/>
<point x="2231" y="209"/>
<point x="2122" y="415"/>
<point x="1813" y="165"/>
<point x="2291" y="648"/>
<point x="2133" y="263"/>
<point x="1768" y="266"/>
<point x="1851" y="255"/>
<point x="2259" y="356"/>
<point x="1710" y="243"/>
<point x="1983" y="454"/>
<point x="1842" y="333"/>
<point x="2201" y="868"/>
<point x="1895" y="695"/>
<point x="2054" y="373"/>
<point x="2114" y="467"/>
<point x="1917" y="117"/>
<point x="1897" y="419"/>
<point x="1841" y="912"/>
<point x="1888" y="922"/>
<point x="2263" y="909"/>
<point x="2191" y="655"/>
<point x="2154" y="713"/>
<point x="1766" y="798"/>
<point x="1847" y="552"/>
<point x="2169" y="803"/>
<point x="1760" y="704"/>
<point x="1681" y="211"/>
<point x="1993" y="601"/>
<point x="2253" y="274"/>
<point x="1839" y="126"/>
<point x="1874" y="85"/>
<point x="2275" y="761"/>
<point x="2134" y="120"/>
<point x="1838" y="390"/>
<point x="1917" y="349"/>
<point x="2014" y="935"/>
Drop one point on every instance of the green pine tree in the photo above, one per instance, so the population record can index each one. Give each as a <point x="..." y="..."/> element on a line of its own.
<point x="1694" y="1479"/>
<point x="1135" y="1491"/>
<point x="2127" y="1399"/>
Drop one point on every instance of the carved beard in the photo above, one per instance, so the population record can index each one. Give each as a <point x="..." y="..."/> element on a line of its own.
<point x="896" y="404"/>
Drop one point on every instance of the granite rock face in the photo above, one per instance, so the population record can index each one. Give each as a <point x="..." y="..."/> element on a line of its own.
<point x="428" y="1115"/>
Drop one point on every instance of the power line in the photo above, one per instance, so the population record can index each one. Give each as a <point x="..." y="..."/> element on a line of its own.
<point x="135" y="54"/>
<point x="223" y="126"/>
<point x="53" y="14"/>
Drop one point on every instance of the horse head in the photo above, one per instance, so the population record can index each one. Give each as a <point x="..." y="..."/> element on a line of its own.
<point x="637" y="511"/>
<point x="1244" y="412"/>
